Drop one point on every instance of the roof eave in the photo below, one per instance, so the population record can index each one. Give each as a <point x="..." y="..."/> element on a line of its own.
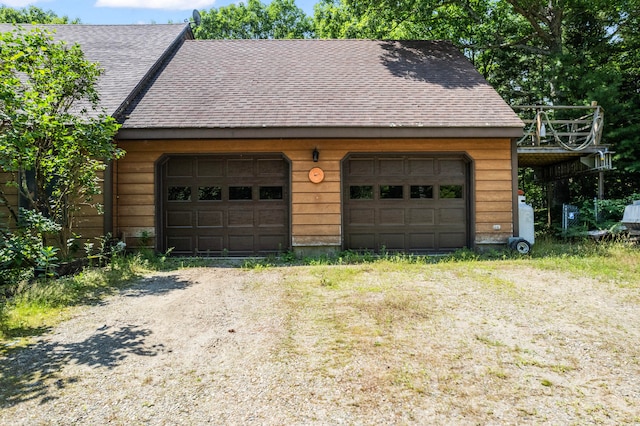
<point x="319" y="132"/>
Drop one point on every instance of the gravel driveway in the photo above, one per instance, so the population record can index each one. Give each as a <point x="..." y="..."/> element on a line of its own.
<point x="234" y="346"/>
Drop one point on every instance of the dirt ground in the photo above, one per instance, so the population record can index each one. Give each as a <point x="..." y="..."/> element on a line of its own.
<point x="295" y="345"/>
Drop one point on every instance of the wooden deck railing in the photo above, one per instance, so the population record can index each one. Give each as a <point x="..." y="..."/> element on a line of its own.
<point x="573" y="128"/>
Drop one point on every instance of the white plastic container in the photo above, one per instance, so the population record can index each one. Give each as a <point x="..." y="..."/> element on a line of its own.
<point x="525" y="222"/>
<point x="631" y="218"/>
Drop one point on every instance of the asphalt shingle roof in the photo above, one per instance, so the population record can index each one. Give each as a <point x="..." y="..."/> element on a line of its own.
<point x="125" y="52"/>
<point x="319" y="83"/>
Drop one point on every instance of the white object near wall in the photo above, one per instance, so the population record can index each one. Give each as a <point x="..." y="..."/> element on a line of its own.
<point x="526" y="222"/>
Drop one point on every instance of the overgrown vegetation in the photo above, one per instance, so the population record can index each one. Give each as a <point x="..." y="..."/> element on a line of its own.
<point x="29" y="306"/>
<point x="22" y="252"/>
<point x="55" y="140"/>
<point x="604" y="214"/>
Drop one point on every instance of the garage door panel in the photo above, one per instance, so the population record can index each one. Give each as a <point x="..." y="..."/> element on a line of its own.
<point x="453" y="167"/>
<point x="241" y="218"/>
<point x="271" y="218"/>
<point x="181" y="245"/>
<point x="271" y="167"/>
<point x="210" y="243"/>
<point x="451" y="216"/>
<point x="210" y="219"/>
<point x="240" y="168"/>
<point x="362" y="217"/>
<point x="391" y="167"/>
<point x="451" y="240"/>
<point x="392" y="217"/>
<point x="241" y="243"/>
<point x="421" y="167"/>
<point x="422" y="241"/>
<point x="361" y="167"/>
<point x="392" y="241"/>
<point x="361" y="241"/>
<point x="210" y="168"/>
<point x="278" y="242"/>
<point x="179" y="219"/>
<point x="412" y="202"/>
<point x="236" y="204"/>
<point x="180" y="167"/>
<point x="422" y="216"/>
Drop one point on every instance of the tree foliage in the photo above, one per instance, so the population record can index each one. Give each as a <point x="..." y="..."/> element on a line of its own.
<point x="54" y="139"/>
<point x="33" y="15"/>
<point x="560" y="52"/>
<point x="280" y="19"/>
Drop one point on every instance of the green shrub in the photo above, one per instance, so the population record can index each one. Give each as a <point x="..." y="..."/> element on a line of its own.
<point x="604" y="214"/>
<point x="22" y="251"/>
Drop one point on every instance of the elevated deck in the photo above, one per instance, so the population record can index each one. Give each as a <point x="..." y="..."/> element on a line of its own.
<point x="562" y="141"/>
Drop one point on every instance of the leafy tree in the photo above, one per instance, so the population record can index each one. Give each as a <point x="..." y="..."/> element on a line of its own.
<point x="532" y="51"/>
<point x="255" y="20"/>
<point x="623" y="124"/>
<point x="33" y="15"/>
<point x="54" y="140"/>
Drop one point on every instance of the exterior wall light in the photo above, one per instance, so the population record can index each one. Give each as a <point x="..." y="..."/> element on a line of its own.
<point x="315" y="155"/>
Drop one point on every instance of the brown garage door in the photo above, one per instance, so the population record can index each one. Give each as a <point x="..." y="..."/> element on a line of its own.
<point x="414" y="203"/>
<point x="217" y="205"/>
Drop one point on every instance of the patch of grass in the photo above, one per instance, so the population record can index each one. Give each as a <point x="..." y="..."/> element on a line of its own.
<point x="615" y="262"/>
<point x="489" y="342"/>
<point x="485" y="274"/>
<point x="335" y="277"/>
<point x="36" y="306"/>
<point x="410" y="377"/>
<point x="497" y="372"/>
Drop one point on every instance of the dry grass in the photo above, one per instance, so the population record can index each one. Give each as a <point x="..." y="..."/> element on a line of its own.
<point x="474" y="342"/>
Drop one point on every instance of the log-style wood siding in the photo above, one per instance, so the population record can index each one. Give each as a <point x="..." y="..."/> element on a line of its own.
<point x="11" y="193"/>
<point x="88" y="223"/>
<point x="316" y="208"/>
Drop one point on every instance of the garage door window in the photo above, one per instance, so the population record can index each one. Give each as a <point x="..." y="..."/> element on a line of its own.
<point x="361" y="192"/>
<point x="388" y="192"/>
<point x="421" y="191"/>
<point x="179" y="193"/>
<point x="451" y="191"/>
<point x="210" y="193"/>
<point x="271" y="193"/>
<point x="240" y="193"/>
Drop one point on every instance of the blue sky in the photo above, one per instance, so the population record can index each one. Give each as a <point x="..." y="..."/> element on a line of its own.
<point x="132" y="11"/>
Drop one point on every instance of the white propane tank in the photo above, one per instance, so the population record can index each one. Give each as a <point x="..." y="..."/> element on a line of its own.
<point x="525" y="214"/>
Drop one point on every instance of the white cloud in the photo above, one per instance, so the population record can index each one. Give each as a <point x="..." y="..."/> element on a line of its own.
<point x="17" y="3"/>
<point x="156" y="4"/>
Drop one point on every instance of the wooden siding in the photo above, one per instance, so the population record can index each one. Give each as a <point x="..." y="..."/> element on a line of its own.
<point x="316" y="208"/>
<point x="88" y="223"/>
<point x="11" y="193"/>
